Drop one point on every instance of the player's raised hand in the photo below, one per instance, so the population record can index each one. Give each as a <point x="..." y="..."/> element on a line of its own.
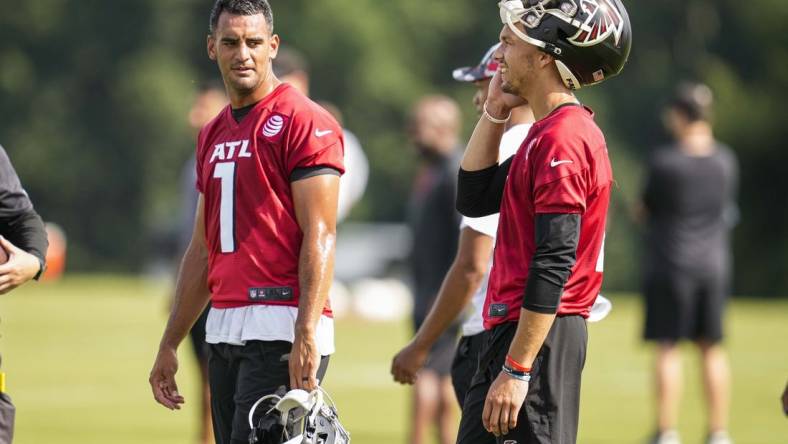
<point x="162" y="379"/>
<point x="408" y="362"/>
<point x="20" y="267"/>
<point x="304" y="362"/>
<point x="499" y="101"/>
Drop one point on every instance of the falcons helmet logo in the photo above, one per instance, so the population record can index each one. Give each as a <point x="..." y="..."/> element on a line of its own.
<point x="603" y="19"/>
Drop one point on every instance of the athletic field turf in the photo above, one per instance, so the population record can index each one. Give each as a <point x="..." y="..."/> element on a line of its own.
<point x="77" y="356"/>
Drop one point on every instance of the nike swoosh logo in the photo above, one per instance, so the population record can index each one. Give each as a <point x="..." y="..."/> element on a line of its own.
<point x="554" y="163"/>
<point x="319" y="133"/>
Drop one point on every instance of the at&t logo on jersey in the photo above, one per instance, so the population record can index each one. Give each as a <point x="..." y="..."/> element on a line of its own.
<point x="273" y="126"/>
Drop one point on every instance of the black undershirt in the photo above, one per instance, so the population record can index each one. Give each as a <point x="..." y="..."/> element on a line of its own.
<point x="299" y="173"/>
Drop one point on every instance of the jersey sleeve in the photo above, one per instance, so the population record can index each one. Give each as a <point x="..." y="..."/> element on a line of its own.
<point x="314" y="140"/>
<point x="560" y="176"/>
<point x="198" y="161"/>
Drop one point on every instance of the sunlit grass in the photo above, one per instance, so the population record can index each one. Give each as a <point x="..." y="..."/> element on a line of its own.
<point x="77" y="356"/>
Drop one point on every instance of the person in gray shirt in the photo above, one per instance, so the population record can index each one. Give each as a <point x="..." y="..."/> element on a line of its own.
<point x="689" y="209"/>
<point x="24" y="242"/>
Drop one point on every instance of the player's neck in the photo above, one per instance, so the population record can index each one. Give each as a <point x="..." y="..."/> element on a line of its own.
<point x="549" y="96"/>
<point x="697" y="140"/>
<point x="241" y="100"/>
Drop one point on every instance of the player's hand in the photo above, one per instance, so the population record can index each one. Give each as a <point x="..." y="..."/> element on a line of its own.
<point x="408" y="362"/>
<point x="304" y="361"/>
<point x="499" y="103"/>
<point x="504" y="401"/>
<point x="162" y="379"/>
<point x="20" y="267"/>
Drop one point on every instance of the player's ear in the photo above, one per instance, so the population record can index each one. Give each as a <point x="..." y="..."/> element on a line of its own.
<point x="211" y="46"/>
<point x="274" y="45"/>
<point x="545" y="59"/>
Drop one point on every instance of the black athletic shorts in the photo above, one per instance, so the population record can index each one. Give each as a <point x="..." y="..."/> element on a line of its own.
<point x="685" y="305"/>
<point x="239" y="376"/>
<point x="466" y="361"/>
<point x="552" y="406"/>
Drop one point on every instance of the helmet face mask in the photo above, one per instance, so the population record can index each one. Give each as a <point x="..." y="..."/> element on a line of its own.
<point x="297" y="417"/>
<point x="589" y="39"/>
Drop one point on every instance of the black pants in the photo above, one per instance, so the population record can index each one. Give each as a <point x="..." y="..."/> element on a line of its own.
<point x="239" y="376"/>
<point x="466" y="361"/>
<point x="551" y="409"/>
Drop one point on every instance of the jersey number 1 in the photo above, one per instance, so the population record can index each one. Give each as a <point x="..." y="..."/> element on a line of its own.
<point x="225" y="171"/>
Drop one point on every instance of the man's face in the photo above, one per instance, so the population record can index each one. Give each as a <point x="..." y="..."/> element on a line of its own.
<point x="518" y="62"/>
<point x="434" y="129"/>
<point x="243" y="46"/>
<point x="482" y="88"/>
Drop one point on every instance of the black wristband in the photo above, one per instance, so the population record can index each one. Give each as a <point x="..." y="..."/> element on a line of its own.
<point x="42" y="266"/>
<point x="520" y="376"/>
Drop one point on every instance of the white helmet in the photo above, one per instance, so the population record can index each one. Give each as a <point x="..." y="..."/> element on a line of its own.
<point x="298" y="417"/>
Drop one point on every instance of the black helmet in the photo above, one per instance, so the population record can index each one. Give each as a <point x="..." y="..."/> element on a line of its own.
<point x="590" y="39"/>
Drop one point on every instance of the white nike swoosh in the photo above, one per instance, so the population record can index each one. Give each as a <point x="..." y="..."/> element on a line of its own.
<point x="554" y="163"/>
<point x="319" y="133"/>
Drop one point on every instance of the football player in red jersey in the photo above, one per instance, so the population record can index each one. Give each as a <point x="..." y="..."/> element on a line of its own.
<point x="553" y="196"/>
<point x="262" y="250"/>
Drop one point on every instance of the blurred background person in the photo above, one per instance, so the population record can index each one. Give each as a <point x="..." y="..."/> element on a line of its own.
<point x="23" y="248"/>
<point x="689" y="209"/>
<point x="290" y="66"/>
<point x="209" y="102"/>
<point x="434" y="130"/>
<point x="466" y="280"/>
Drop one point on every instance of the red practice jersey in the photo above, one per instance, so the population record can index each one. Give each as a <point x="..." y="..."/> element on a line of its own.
<point x="561" y="167"/>
<point x="243" y="172"/>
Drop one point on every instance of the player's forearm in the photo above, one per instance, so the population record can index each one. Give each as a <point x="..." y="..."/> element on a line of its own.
<point x="191" y="296"/>
<point x="315" y="275"/>
<point x="532" y="329"/>
<point x="483" y="146"/>
<point x="455" y="293"/>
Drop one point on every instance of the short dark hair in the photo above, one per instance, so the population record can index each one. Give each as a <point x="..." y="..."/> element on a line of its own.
<point x="241" y="7"/>
<point x="694" y="100"/>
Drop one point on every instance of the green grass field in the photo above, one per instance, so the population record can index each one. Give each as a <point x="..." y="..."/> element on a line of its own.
<point x="77" y="356"/>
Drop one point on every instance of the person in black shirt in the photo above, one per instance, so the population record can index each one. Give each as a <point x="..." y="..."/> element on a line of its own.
<point x="689" y="210"/>
<point x="434" y="131"/>
<point x="24" y="240"/>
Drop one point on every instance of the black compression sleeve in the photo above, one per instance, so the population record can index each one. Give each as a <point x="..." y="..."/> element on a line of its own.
<point x="307" y="172"/>
<point x="26" y="231"/>
<point x="479" y="192"/>
<point x="556" y="248"/>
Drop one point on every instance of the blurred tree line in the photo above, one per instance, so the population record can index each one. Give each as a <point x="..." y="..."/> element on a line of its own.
<point x="94" y="96"/>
